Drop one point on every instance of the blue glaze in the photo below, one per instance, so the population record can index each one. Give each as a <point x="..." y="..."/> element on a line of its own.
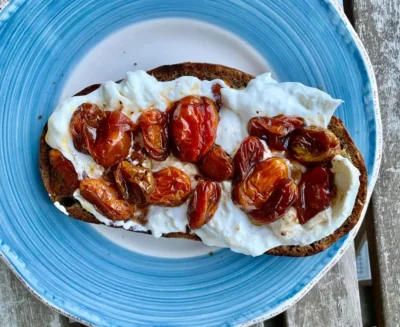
<point x="73" y="267"/>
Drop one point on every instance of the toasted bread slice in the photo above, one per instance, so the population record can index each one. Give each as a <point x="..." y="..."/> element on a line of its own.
<point x="237" y="79"/>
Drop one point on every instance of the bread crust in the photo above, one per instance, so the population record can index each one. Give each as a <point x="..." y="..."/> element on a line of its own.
<point x="237" y="79"/>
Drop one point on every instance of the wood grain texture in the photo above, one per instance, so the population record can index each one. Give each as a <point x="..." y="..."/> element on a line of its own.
<point x="19" y="308"/>
<point x="334" y="301"/>
<point x="378" y="24"/>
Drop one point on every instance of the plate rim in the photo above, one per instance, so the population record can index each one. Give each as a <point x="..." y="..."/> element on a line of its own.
<point x="11" y="7"/>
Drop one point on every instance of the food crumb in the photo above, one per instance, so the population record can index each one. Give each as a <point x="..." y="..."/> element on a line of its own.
<point x="283" y="233"/>
<point x="40" y="117"/>
<point x="211" y="253"/>
<point x="237" y="227"/>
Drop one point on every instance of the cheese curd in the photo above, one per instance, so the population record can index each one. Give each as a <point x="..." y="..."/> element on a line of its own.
<point x="230" y="226"/>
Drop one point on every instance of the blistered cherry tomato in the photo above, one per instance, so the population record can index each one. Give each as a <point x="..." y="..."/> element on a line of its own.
<point x="204" y="203"/>
<point x="134" y="183"/>
<point x="275" y="131"/>
<point x="154" y="126"/>
<point x="63" y="177"/>
<point x="284" y="195"/>
<point x="314" y="144"/>
<point x="113" y="139"/>
<point x="193" y="127"/>
<point x="106" y="136"/>
<point x="172" y="187"/>
<point x="257" y="187"/>
<point x="315" y="193"/>
<point x="250" y="152"/>
<point x="105" y="199"/>
<point x="84" y="124"/>
<point x="217" y="164"/>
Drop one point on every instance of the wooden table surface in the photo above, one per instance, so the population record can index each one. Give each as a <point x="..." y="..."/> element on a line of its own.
<point x="335" y="300"/>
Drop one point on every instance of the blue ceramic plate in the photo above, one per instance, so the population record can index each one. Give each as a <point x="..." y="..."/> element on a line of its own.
<point x="51" y="49"/>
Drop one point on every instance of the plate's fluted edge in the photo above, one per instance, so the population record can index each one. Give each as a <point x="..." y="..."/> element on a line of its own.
<point x="334" y="5"/>
<point x="16" y="265"/>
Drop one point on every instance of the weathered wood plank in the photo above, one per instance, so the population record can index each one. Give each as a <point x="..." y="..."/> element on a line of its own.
<point x="334" y="301"/>
<point x="19" y="308"/>
<point x="378" y="24"/>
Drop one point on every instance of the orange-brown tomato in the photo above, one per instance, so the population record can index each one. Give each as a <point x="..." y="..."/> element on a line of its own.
<point x="193" y="127"/>
<point x="154" y="126"/>
<point x="114" y="138"/>
<point x="134" y="183"/>
<point x="284" y="195"/>
<point x="204" y="203"/>
<point x="275" y="131"/>
<point x="216" y="90"/>
<point x="258" y="186"/>
<point x="63" y="177"/>
<point x="217" y="164"/>
<point x="106" y="136"/>
<point x="250" y="152"/>
<point x="172" y="187"/>
<point x="314" y="144"/>
<point x="84" y="124"/>
<point x="105" y="199"/>
<point x="315" y="193"/>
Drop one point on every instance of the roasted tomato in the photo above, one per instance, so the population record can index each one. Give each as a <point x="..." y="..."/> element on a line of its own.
<point x="217" y="164"/>
<point x="314" y="144"/>
<point x="285" y="194"/>
<point x="84" y="124"/>
<point x="216" y="90"/>
<point x="172" y="187"/>
<point x="105" y="199"/>
<point x="204" y="203"/>
<point x="259" y="184"/>
<point x="193" y="127"/>
<point x="154" y="126"/>
<point x="275" y="131"/>
<point x="315" y="193"/>
<point x="106" y="136"/>
<point x="250" y="152"/>
<point x="114" y="139"/>
<point x="63" y="177"/>
<point x="134" y="183"/>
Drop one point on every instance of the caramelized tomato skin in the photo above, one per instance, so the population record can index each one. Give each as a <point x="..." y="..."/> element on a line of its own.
<point x="83" y="126"/>
<point x="250" y="152"/>
<point x="314" y="145"/>
<point x="284" y="195"/>
<point x="154" y="126"/>
<point x="257" y="187"/>
<point x="275" y="131"/>
<point x="105" y="135"/>
<point x="134" y="183"/>
<point x="314" y="193"/>
<point x="193" y="127"/>
<point x="204" y="203"/>
<point x="63" y="177"/>
<point x="105" y="199"/>
<point x="217" y="164"/>
<point x="172" y="187"/>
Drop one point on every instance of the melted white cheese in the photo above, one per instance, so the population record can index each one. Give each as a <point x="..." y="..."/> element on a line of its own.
<point x="60" y="207"/>
<point x="230" y="226"/>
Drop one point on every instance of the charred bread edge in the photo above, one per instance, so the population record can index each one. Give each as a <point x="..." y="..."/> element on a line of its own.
<point x="238" y="80"/>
